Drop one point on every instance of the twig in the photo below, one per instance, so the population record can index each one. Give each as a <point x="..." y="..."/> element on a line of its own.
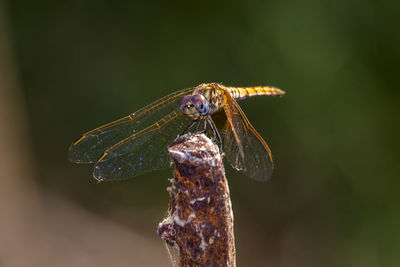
<point x="200" y="220"/>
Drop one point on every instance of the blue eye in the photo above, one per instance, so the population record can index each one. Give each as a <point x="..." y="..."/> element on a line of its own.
<point x="203" y="109"/>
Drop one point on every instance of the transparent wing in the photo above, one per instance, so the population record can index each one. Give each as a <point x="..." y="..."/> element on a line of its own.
<point x="244" y="148"/>
<point x="90" y="146"/>
<point x="143" y="151"/>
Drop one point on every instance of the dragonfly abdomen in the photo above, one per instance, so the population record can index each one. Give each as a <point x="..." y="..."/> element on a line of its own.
<point x="240" y="93"/>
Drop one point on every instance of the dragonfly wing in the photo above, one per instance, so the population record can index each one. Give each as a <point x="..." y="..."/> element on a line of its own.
<point x="141" y="152"/>
<point x="90" y="146"/>
<point x="244" y="147"/>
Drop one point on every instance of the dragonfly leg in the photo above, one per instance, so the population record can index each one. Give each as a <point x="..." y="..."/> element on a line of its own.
<point x="215" y="132"/>
<point x="205" y="127"/>
<point x="197" y="126"/>
<point x="188" y="127"/>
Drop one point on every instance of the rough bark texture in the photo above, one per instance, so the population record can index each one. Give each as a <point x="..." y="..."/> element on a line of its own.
<point x="200" y="220"/>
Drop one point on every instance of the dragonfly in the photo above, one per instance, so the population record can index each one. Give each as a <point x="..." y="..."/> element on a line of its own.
<point x="138" y="143"/>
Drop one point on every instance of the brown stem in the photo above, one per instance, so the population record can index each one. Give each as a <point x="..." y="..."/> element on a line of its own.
<point x="200" y="220"/>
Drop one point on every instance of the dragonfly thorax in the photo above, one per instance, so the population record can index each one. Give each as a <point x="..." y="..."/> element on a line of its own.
<point x="195" y="106"/>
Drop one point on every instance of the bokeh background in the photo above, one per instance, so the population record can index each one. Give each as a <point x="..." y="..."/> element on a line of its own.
<point x="68" y="67"/>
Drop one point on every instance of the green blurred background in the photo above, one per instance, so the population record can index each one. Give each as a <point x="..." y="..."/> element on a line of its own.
<point x="69" y="67"/>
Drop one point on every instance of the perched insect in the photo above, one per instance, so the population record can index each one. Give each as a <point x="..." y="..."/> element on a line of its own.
<point x="138" y="142"/>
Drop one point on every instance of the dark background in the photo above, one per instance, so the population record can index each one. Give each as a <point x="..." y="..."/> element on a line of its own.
<point x="69" y="67"/>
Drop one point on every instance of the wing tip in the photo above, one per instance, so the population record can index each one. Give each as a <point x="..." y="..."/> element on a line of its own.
<point x="75" y="156"/>
<point x="97" y="174"/>
<point x="72" y="157"/>
<point x="97" y="170"/>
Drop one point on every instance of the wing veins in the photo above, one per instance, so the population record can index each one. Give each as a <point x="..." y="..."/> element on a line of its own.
<point x="155" y="126"/>
<point x="151" y="108"/>
<point x="251" y="128"/>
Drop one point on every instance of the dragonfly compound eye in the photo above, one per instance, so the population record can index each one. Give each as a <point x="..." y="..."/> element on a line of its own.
<point x="195" y="106"/>
<point x="201" y="104"/>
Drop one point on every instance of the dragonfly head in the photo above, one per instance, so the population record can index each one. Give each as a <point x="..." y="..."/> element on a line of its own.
<point x="195" y="106"/>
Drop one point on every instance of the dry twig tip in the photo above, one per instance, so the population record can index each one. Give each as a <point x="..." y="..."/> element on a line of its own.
<point x="200" y="220"/>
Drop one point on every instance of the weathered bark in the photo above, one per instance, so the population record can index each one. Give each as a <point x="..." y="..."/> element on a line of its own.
<point x="200" y="220"/>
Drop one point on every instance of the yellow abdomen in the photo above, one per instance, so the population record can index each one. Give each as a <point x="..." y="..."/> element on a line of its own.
<point x="240" y="93"/>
